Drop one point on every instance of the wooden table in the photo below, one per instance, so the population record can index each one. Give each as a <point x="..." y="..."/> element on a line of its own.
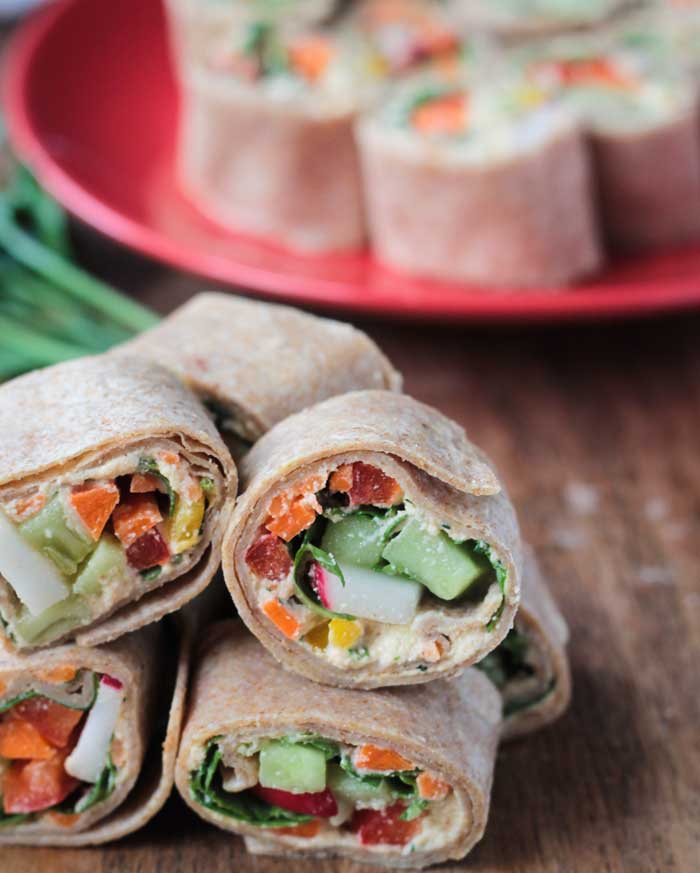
<point x="596" y="431"/>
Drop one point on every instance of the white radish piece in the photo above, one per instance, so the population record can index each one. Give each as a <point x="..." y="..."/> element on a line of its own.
<point x="35" y="580"/>
<point x="368" y="594"/>
<point x="88" y="758"/>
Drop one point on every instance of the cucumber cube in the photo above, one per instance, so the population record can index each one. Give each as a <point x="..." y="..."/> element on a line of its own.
<point x="108" y="561"/>
<point x="292" y="767"/>
<point x="356" y="790"/>
<point x="48" y="532"/>
<point x="356" y="539"/>
<point x="54" y="621"/>
<point x="446" y="568"/>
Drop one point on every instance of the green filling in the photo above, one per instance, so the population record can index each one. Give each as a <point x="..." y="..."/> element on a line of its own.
<point x="292" y="767"/>
<point x="108" y="559"/>
<point x="149" y="466"/>
<point x="54" y="621"/>
<point x="48" y="532"/>
<point x="306" y="553"/>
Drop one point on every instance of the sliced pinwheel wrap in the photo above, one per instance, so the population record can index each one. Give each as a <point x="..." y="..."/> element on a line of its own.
<point x="253" y="364"/>
<point x="114" y="488"/>
<point x="531" y="667"/>
<point x="81" y="762"/>
<point x="373" y="545"/>
<point x="396" y="777"/>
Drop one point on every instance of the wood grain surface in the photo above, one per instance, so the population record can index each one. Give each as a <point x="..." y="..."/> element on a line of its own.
<point x="597" y="433"/>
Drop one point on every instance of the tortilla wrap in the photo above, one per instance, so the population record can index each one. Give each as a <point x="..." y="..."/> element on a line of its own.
<point x="450" y="729"/>
<point x="154" y="685"/>
<point x="256" y="363"/>
<point x="83" y="420"/>
<point x="539" y="690"/>
<point x="448" y="480"/>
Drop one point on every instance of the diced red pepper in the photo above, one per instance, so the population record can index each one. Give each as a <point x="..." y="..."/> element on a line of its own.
<point x="136" y="514"/>
<point x="384" y="826"/>
<point x="52" y="720"/>
<point x="373" y="487"/>
<point x="36" y="785"/>
<point x="268" y="557"/>
<point x="149" y="550"/>
<point x="321" y="803"/>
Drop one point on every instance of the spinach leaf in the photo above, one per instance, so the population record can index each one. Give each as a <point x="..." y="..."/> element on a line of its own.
<point x="151" y="573"/>
<point x="329" y="747"/>
<point x="507" y="661"/>
<point x="414" y="809"/>
<point x="150" y="466"/>
<point x="9" y="819"/>
<point x="481" y="547"/>
<point x="206" y="789"/>
<point x="101" y="790"/>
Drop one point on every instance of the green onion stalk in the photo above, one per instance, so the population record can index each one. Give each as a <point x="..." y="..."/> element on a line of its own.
<point x="51" y="309"/>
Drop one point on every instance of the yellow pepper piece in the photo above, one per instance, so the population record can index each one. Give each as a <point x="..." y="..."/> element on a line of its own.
<point x="344" y="633"/>
<point x="182" y="529"/>
<point x="318" y="636"/>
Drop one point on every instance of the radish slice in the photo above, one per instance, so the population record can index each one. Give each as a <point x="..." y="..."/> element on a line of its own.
<point x="368" y="594"/>
<point x="35" y="580"/>
<point x="87" y="760"/>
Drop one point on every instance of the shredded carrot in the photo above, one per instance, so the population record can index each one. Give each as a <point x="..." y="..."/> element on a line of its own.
<point x="431" y="788"/>
<point x="444" y="115"/>
<point x="143" y="483"/>
<point x="307" y="829"/>
<point x="169" y="457"/>
<point x="19" y="739"/>
<point x="135" y="516"/>
<point x="311" y="56"/>
<point x="94" y="504"/>
<point x="282" y="618"/>
<point x="378" y="760"/>
<point x="59" y="673"/>
<point x="341" y="479"/>
<point x="25" y="507"/>
<point x="292" y="512"/>
<point x="64" y="819"/>
<point x="3" y="687"/>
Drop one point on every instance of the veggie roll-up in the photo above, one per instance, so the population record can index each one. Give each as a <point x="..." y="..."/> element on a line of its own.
<point x="254" y="364"/>
<point x="75" y="726"/>
<point x="394" y="777"/>
<point x="644" y="127"/>
<point x="266" y="144"/>
<point x="502" y="178"/>
<point x="530" y="667"/>
<point x="113" y="487"/>
<point x="374" y="544"/>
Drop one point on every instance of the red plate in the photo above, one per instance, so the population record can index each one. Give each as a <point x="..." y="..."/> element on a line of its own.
<point x="91" y="105"/>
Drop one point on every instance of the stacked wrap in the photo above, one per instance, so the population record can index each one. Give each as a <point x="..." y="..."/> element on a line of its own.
<point x="239" y="694"/>
<point x="444" y="477"/>
<point x="93" y="421"/>
<point x="151" y="684"/>
<point x="256" y="363"/>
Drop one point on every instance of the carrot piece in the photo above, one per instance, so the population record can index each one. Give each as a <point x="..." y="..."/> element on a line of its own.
<point x="25" y="507"/>
<point x="94" y="504"/>
<point x="311" y="56"/>
<point x="169" y="458"/>
<point x="134" y="516"/>
<point x="431" y="788"/>
<point x="282" y="618"/>
<point x="142" y="483"/>
<point x="378" y="760"/>
<point x="341" y="479"/>
<point x="307" y="829"/>
<point x="443" y="115"/>
<point x="19" y="739"/>
<point x="60" y="673"/>
<point x="64" y="819"/>
<point x="298" y="517"/>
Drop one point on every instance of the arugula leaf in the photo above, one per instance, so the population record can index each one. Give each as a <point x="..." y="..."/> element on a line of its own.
<point x="206" y="789"/>
<point x="101" y="790"/>
<point x="63" y="698"/>
<point x="329" y="747"/>
<point x="481" y="547"/>
<point x="414" y="809"/>
<point x="9" y="819"/>
<point x="307" y="552"/>
<point x="150" y="466"/>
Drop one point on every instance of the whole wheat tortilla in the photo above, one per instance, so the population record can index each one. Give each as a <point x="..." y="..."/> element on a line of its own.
<point x="260" y="361"/>
<point x="75" y="414"/>
<point x="525" y="220"/>
<point x="449" y="728"/>
<point x="541" y="621"/>
<point x="150" y="679"/>
<point x="438" y="469"/>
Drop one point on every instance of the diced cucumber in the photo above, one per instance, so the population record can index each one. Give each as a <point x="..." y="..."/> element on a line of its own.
<point x="48" y="532"/>
<point x="355" y="539"/>
<point x="54" y="621"/>
<point x="107" y="561"/>
<point x="357" y="790"/>
<point x="446" y="568"/>
<point x="183" y="526"/>
<point x="292" y="767"/>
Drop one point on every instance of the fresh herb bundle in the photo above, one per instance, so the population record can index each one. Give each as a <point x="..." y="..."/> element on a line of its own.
<point x="51" y="309"/>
